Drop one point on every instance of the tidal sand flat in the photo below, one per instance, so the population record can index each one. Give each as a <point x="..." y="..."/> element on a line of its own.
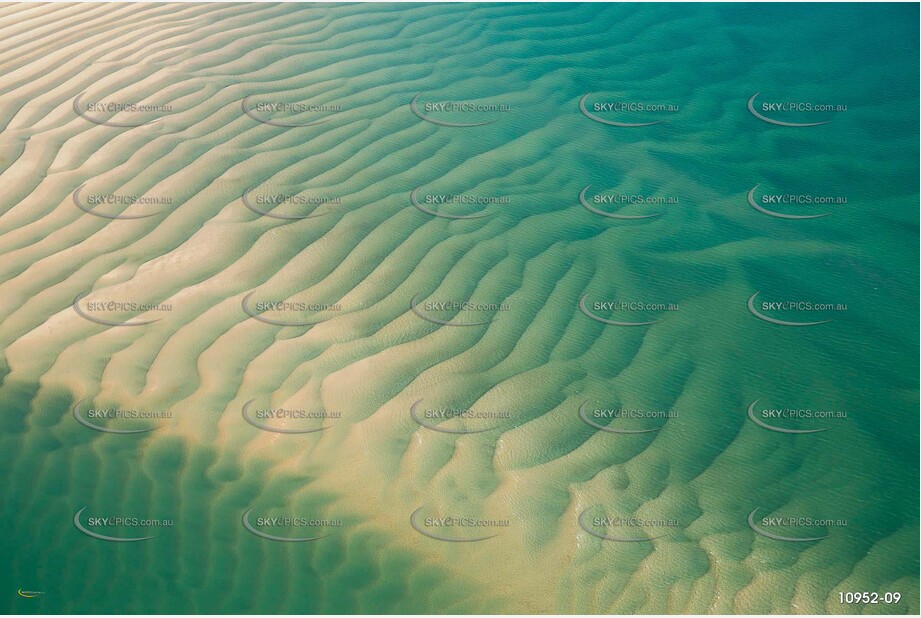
<point x="459" y="308"/>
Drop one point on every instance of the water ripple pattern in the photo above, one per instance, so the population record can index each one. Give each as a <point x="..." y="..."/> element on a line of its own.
<point x="271" y="195"/>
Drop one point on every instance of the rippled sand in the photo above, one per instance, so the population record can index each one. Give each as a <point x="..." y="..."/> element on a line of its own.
<point x="366" y="345"/>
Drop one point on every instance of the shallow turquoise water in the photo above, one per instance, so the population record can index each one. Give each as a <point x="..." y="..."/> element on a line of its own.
<point x="707" y="252"/>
